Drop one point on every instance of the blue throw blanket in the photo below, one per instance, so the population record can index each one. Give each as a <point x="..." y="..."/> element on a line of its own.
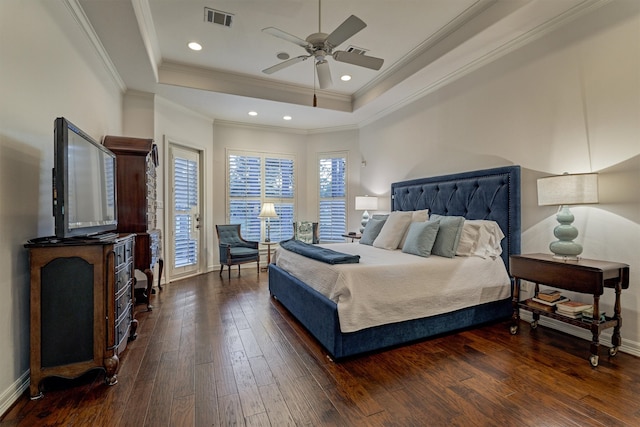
<point x="318" y="253"/>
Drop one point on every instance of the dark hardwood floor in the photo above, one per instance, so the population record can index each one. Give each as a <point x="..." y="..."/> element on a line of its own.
<point x="222" y="352"/>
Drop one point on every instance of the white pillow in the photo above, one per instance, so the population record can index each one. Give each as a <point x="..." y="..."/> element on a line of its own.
<point x="480" y="238"/>
<point x="393" y="230"/>
<point x="416" y="216"/>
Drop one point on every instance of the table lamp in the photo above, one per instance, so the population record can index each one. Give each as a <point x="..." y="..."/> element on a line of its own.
<point x="364" y="203"/>
<point x="565" y="190"/>
<point x="268" y="211"/>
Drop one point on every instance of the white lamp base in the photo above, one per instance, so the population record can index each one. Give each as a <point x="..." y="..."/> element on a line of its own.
<point x="365" y="220"/>
<point x="565" y="247"/>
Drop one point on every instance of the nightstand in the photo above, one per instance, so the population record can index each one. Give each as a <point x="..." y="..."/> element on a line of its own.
<point x="585" y="276"/>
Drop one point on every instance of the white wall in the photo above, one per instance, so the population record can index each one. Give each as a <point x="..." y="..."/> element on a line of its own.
<point x="47" y="70"/>
<point x="176" y="125"/>
<point x="567" y="102"/>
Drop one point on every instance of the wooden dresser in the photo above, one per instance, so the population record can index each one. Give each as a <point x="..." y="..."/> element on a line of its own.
<point x="136" y="162"/>
<point x="81" y="306"/>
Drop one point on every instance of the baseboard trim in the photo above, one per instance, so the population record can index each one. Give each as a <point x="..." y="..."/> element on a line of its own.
<point x="11" y="395"/>
<point x="630" y="347"/>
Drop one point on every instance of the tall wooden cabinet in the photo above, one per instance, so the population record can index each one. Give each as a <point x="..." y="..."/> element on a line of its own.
<point x="136" y="162"/>
<point x="81" y="306"/>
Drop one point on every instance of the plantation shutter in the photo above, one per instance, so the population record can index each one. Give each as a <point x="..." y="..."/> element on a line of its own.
<point x="332" y="178"/>
<point x="256" y="178"/>
<point x="186" y="197"/>
<point x="245" y="187"/>
<point x="279" y="189"/>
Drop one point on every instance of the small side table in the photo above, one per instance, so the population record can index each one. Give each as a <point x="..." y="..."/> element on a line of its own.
<point x="268" y="245"/>
<point x="352" y="236"/>
<point x="585" y="276"/>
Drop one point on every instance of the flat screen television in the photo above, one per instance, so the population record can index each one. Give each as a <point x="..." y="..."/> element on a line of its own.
<point x="84" y="183"/>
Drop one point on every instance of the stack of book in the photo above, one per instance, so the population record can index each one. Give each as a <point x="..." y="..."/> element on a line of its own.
<point x="531" y="302"/>
<point x="587" y="315"/>
<point x="572" y="309"/>
<point x="547" y="300"/>
<point x="550" y="295"/>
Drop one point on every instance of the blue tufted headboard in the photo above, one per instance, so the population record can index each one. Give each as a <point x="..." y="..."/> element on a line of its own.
<point x="492" y="194"/>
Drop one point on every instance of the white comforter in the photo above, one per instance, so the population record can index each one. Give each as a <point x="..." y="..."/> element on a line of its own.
<point x="391" y="286"/>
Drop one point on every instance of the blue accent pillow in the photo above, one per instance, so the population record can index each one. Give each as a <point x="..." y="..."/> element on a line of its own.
<point x="420" y="238"/>
<point x="371" y="231"/>
<point x="448" y="236"/>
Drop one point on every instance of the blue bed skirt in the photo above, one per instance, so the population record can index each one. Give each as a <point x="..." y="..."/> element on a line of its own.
<point x="319" y="315"/>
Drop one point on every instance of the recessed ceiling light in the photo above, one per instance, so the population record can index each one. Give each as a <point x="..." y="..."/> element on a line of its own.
<point x="194" y="46"/>
<point x="287" y="117"/>
<point x="282" y="55"/>
<point x="253" y="113"/>
<point x="345" y="78"/>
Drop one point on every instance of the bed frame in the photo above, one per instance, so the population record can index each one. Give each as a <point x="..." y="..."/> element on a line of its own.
<point x="492" y="194"/>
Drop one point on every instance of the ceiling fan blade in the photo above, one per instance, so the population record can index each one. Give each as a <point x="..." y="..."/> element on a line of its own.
<point x="348" y="28"/>
<point x="324" y="74"/>
<point x="286" y="36"/>
<point x="358" y="59"/>
<point x="285" y="64"/>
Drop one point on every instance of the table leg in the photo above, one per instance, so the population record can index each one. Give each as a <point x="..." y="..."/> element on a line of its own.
<point x="616" y="340"/>
<point x="515" y="317"/>
<point x="149" y="275"/>
<point x="595" y="332"/>
<point x="160" y="268"/>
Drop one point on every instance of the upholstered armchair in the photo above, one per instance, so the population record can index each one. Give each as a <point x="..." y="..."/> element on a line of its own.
<point x="234" y="250"/>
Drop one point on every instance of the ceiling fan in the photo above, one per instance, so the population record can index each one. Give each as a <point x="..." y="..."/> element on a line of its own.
<point x="320" y="45"/>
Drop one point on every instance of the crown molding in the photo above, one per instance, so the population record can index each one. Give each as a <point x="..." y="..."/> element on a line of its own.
<point x="142" y="11"/>
<point x="414" y="60"/>
<point x="81" y="18"/>
<point x="178" y="74"/>
<point x="512" y="45"/>
<point x="283" y="129"/>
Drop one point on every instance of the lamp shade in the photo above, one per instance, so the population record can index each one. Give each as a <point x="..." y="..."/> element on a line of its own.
<point x="364" y="203"/>
<point x="568" y="189"/>
<point x="268" y="211"/>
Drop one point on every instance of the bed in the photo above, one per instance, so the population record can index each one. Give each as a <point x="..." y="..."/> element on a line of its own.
<point x="491" y="194"/>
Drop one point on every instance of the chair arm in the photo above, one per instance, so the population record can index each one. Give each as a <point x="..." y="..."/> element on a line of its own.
<point x="224" y="250"/>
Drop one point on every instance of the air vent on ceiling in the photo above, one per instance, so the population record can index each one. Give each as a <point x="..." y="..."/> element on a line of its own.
<point x="218" y="17"/>
<point x="358" y="50"/>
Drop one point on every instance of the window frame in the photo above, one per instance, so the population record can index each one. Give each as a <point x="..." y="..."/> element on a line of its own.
<point x="336" y="236"/>
<point x="282" y="227"/>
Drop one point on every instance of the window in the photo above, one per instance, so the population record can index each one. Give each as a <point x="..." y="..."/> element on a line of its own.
<point x="185" y="183"/>
<point x="332" y="196"/>
<point x="256" y="178"/>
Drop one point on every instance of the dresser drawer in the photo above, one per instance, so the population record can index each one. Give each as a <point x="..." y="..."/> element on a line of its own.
<point x="123" y="252"/>
<point x="122" y="328"/>
<point x="123" y="301"/>
<point x="123" y="277"/>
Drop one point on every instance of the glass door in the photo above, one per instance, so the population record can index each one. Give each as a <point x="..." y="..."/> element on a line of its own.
<point x="185" y="211"/>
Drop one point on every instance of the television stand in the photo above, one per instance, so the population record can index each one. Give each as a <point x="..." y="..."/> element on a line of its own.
<point x="81" y="311"/>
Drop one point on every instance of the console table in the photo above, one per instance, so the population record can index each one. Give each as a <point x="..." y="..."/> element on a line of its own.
<point x="585" y="276"/>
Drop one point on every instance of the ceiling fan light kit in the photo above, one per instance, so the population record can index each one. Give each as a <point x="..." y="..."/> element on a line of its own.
<point x="320" y="46"/>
